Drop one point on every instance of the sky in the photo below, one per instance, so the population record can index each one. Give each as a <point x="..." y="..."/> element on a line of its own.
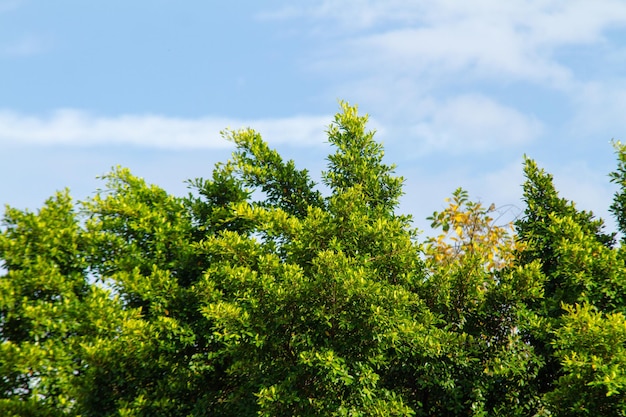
<point x="458" y="92"/>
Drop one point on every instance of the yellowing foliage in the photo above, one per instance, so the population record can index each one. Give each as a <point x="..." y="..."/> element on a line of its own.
<point x="469" y="230"/>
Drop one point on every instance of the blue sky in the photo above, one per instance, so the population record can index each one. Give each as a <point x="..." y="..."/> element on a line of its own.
<point x="457" y="91"/>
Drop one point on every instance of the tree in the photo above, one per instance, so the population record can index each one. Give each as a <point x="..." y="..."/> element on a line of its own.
<point x="590" y="346"/>
<point x="219" y="305"/>
<point x="584" y="283"/>
<point x="618" y="208"/>
<point x="50" y="315"/>
<point x="259" y="294"/>
<point x="311" y="315"/>
<point x="475" y="288"/>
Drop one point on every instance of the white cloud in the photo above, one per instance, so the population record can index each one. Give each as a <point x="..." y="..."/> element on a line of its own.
<point x="546" y="21"/>
<point x="400" y="59"/>
<point x="470" y="48"/>
<point x="488" y="39"/>
<point x="79" y="128"/>
<point x="473" y="123"/>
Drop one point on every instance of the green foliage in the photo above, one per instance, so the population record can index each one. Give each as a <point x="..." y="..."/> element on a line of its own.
<point x="592" y="349"/>
<point x="284" y="186"/>
<point x="308" y="318"/>
<point x="358" y="162"/>
<point x="49" y="312"/>
<point x="259" y="295"/>
<point x="618" y="208"/>
<point x="481" y="297"/>
<point x="580" y="267"/>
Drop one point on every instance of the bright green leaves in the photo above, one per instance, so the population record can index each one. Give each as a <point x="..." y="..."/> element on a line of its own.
<point x="49" y="311"/>
<point x="275" y="316"/>
<point x="575" y="254"/>
<point x="357" y="163"/>
<point x="259" y="295"/>
<point x="618" y="208"/>
<point x="211" y="211"/>
<point x="542" y="204"/>
<point x="587" y="270"/>
<point x="310" y="306"/>
<point x="591" y="346"/>
<point x="135" y="225"/>
<point x="52" y="231"/>
<point x="584" y="285"/>
<point x="284" y="186"/>
<point x="143" y="248"/>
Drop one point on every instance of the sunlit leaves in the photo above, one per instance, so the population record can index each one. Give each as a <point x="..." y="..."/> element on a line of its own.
<point x="618" y="208"/>
<point x="473" y="284"/>
<point x="358" y="162"/>
<point x="258" y="294"/>
<point x="584" y="286"/>
<point x="469" y="230"/>
<point x="592" y="349"/>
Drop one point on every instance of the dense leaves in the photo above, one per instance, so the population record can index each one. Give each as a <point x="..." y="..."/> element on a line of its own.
<point x="259" y="294"/>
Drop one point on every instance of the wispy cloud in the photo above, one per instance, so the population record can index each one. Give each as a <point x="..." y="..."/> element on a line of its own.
<point x="79" y="128"/>
<point x="484" y="38"/>
<point x="404" y="61"/>
<point x="351" y="14"/>
<point x="473" y="123"/>
<point x="547" y="21"/>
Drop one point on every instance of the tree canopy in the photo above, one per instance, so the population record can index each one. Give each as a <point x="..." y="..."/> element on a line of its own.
<point x="264" y="293"/>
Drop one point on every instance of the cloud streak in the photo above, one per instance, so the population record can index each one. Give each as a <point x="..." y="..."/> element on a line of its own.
<point x="73" y="127"/>
<point x="426" y="63"/>
<point x="473" y="123"/>
<point x="485" y="38"/>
